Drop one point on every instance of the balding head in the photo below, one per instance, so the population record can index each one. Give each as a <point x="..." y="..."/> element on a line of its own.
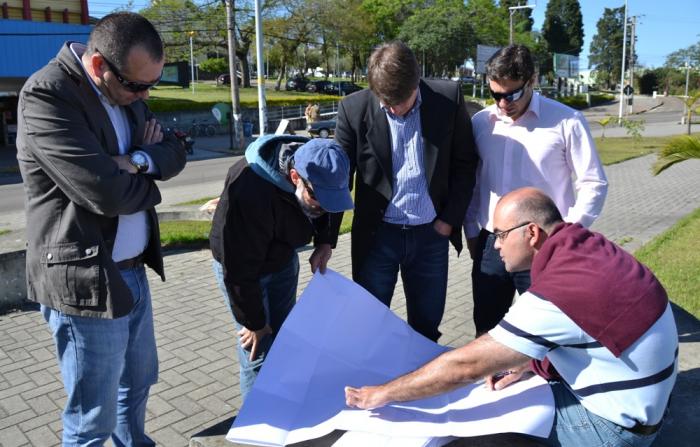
<point x="530" y="205"/>
<point x="522" y="221"/>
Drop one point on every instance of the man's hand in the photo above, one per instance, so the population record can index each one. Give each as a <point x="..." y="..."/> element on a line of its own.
<point x="210" y="206"/>
<point x="153" y="133"/>
<point x="251" y="339"/>
<point x="503" y="379"/>
<point x="319" y="258"/>
<point x="473" y="247"/>
<point x="124" y="164"/>
<point x="366" y="398"/>
<point x="442" y="227"/>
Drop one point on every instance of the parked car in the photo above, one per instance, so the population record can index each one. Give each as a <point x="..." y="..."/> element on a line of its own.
<point x="225" y="79"/>
<point x="317" y="86"/>
<point x="323" y="129"/>
<point x="342" y="88"/>
<point x="297" y="83"/>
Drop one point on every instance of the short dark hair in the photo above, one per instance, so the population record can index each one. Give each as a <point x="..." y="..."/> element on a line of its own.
<point x="513" y="62"/>
<point x="393" y="72"/>
<point x="115" y="35"/>
<point x="539" y="208"/>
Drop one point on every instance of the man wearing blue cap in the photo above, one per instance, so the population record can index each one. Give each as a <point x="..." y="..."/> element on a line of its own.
<point x="274" y="201"/>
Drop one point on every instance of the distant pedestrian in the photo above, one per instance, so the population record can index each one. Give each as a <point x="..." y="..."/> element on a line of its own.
<point x="275" y="200"/>
<point x="312" y="113"/>
<point x="90" y="153"/>
<point x="524" y="139"/>
<point x="413" y="162"/>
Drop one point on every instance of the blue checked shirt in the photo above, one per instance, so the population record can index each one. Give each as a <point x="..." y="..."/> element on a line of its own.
<point x="410" y="203"/>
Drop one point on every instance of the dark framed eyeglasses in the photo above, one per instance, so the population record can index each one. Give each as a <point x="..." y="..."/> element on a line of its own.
<point x="502" y="235"/>
<point x="132" y="86"/>
<point x="510" y="96"/>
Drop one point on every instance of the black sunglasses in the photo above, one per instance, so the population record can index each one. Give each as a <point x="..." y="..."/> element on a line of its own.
<point x="510" y="96"/>
<point x="132" y="86"/>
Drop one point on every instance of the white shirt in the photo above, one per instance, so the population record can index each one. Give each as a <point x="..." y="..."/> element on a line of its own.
<point x="132" y="231"/>
<point x="546" y="147"/>
<point x="632" y="388"/>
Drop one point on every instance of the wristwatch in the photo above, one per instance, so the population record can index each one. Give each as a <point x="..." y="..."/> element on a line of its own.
<point x="139" y="160"/>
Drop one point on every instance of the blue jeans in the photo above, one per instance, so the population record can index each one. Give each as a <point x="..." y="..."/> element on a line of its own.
<point x="575" y="426"/>
<point x="108" y="367"/>
<point x="422" y="255"/>
<point x="279" y="292"/>
<point x="493" y="287"/>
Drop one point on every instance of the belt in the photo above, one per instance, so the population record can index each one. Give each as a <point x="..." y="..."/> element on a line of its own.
<point x="405" y="227"/>
<point x="130" y="263"/>
<point x="645" y="430"/>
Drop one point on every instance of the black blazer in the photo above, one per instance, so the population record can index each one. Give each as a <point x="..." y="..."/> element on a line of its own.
<point x="449" y="156"/>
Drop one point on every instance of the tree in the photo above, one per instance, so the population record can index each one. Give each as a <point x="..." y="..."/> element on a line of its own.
<point x="439" y="35"/>
<point x="679" y="149"/>
<point x="563" y="27"/>
<point x="679" y="57"/>
<point x="489" y="23"/>
<point x="389" y="15"/>
<point x="173" y="19"/>
<point x="606" y="47"/>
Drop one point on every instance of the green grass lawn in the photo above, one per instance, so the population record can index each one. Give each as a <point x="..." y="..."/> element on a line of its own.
<point x="616" y="150"/>
<point x="3" y="231"/>
<point x="176" y="233"/>
<point x="675" y="259"/>
<point x="173" y="98"/>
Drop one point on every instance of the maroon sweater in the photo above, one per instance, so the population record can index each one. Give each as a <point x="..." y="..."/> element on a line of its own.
<point x="602" y="288"/>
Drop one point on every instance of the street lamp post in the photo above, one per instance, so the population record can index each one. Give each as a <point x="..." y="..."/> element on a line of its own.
<point x="511" y="10"/>
<point x="191" y="34"/>
<point x="622" y="71"/>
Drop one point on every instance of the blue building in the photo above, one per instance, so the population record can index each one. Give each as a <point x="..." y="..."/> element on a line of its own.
<point x="25" y="47"/>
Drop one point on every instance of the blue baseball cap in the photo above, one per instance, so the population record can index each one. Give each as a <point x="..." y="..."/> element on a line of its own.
<point x="327" y="167"/>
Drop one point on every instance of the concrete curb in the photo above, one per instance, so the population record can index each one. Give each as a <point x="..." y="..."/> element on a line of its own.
<point x="13" y="274"/>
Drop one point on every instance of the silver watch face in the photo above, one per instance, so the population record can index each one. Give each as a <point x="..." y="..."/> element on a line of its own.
<point x="140" y="161"/>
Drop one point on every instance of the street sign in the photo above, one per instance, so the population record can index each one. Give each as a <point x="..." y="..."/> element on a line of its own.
<point x="483" y="54"/>
<point x="628" y="90"/>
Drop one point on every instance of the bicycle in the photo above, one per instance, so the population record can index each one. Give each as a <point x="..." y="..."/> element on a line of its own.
<point x="202" y="129"/>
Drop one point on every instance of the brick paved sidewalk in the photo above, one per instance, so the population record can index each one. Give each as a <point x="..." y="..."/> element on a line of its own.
<point x="198" y="384"/>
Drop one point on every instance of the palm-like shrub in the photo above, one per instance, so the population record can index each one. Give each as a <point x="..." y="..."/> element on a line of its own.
<point x="680" y="148"/>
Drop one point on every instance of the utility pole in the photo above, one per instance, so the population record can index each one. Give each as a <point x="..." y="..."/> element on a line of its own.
<point x="259" y="45"/>
<point x="622" y="71"/>
<point x="238" y="141"/>
<point x="512" y="10"/>
<point x="633" y="26"/>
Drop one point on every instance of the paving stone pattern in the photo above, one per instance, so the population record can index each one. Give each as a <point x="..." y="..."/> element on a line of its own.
<point x="198" y="384"/>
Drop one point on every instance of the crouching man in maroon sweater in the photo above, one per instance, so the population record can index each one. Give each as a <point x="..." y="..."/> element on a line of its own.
<point x="595" y="322"/>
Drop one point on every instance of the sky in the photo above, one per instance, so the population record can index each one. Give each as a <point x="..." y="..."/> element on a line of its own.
<point x="663" y="26"/>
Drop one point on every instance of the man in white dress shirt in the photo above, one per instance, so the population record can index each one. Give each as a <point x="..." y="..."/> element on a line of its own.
<point x="524" y="139"/>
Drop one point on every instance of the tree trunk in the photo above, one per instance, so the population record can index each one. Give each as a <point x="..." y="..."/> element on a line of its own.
<point x="283" y="69"/>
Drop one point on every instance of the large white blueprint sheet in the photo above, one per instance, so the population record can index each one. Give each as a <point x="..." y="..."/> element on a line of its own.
<point x="337" y="335"/>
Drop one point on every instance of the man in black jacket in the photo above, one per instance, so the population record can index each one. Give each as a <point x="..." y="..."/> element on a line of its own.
<point x="90" y="152"/>
<point x="274" y="201"/>
<point x="412" y="154"/>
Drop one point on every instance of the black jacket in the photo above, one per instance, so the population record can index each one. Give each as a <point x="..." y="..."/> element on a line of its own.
<point x="256" y="228"/>
<point x="449" y="156"/>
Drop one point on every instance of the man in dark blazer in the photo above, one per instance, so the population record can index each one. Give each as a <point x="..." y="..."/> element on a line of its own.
<point x="412" y="154"/>
<point x="90" y="151"/>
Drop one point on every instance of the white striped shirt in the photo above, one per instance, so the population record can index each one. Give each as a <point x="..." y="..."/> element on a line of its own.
<point x="410" y="203"/>
<point x="632" y="388"/>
